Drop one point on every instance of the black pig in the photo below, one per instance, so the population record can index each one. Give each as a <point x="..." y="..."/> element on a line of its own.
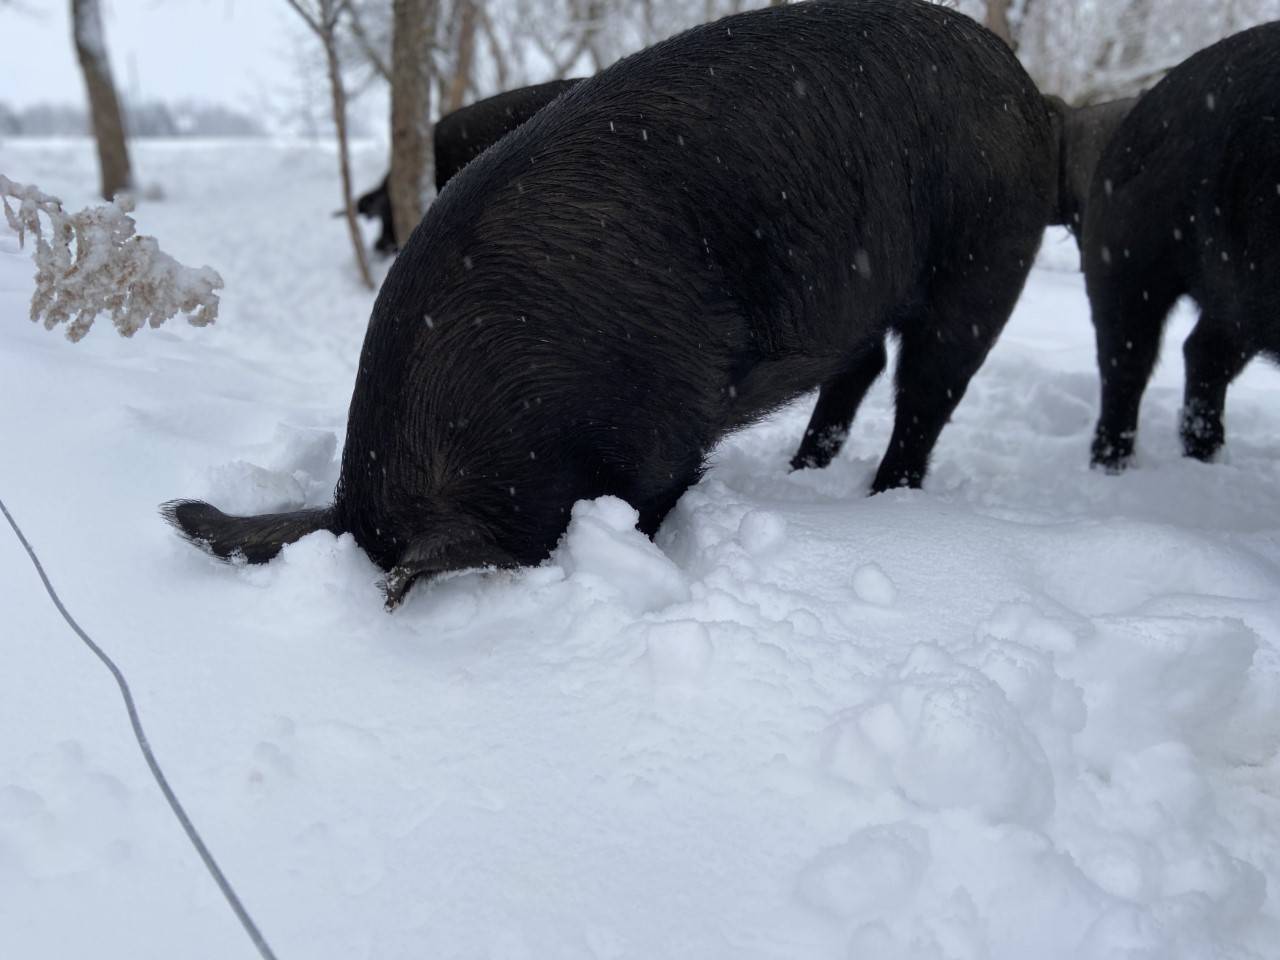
<point x="458" y="138"/>
<point x="376" y="205"/>
<point x="668" y="252"/>
<point x="464" y="134"/>
<point x="1084" y="132"/>
<point x="1186" y="200"/>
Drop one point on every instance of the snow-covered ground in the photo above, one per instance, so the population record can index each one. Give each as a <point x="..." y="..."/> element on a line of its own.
<point x="1030" y="712"/>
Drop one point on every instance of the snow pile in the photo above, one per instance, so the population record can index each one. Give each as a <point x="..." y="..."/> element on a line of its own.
<point x="110" y="271"/>
<point x="1031" y="711"/>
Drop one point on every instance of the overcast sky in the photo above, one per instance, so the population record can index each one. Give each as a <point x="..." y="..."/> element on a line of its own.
<point x="237" y="52"/>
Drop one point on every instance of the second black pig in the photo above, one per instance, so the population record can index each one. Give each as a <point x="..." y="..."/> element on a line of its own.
<point x="458" y="138"/>
<point x="1186" y="201"/>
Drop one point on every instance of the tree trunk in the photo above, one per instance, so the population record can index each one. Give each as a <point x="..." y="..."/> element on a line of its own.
<point x="590" y="15"/>
<point x="104" y="106"/>
<point x="412" y="32"/>
<point x="495" y="50"/>
<point x="344" y="160"/>
<point x="465" y="50"/>
<point x="998" y="21"/>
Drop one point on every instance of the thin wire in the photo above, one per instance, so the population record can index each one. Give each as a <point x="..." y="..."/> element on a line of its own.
<point x="140" y="735"/>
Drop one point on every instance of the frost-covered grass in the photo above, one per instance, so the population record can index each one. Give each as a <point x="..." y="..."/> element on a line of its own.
<point x="1030" y="712"/>
<point x="93" y="261"/>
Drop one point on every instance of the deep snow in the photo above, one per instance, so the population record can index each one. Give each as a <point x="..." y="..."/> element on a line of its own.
<point x="1030" y="712"/>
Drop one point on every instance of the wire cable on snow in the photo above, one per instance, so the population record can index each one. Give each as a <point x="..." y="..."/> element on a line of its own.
<point x="144" y="744"/>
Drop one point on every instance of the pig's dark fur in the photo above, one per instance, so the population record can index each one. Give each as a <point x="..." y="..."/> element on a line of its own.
<point x="700" y="233"/>
<point x="458" y="138"/>
<point x="464" y="134"/>
<point x="1186" y="200"/>
<point x="1083" y="134"/>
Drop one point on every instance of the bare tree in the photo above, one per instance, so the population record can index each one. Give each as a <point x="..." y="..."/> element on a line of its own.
<point x="591" y="14"/>
<point x="531" y="41"/>
<point x="412" y="67"/>
<point x="322" y="17"/>
<point x="467" y="20"/>
<point x="499" y="56"/>
<point x="368" y="46"/>
<point x="586" y="19"/>
<point x="997" y="21"/>
<point x="1081" y="49"/>
<point x="1133" y="48"/>
<point x="104" y="105"/>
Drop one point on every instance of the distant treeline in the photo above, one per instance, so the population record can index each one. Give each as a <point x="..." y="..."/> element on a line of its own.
<point x="151" y="118"/>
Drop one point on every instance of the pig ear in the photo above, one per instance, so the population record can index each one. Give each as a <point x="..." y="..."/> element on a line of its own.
<point x="434" y="555"/>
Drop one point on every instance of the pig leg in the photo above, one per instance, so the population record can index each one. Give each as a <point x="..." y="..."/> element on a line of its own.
<point x="942" y="345"/>
<point x="1215" y="353"/>
<point x="838" y="402"/>
<point x="654" y="508"/>
<point x="1128" y="318"/>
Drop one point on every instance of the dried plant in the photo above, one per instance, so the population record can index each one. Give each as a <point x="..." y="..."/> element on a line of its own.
<point x="94" y="262"/>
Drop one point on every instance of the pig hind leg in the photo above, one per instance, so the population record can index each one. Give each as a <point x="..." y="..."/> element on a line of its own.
<point x="941" y="346"/>
<point x="654" y="509"/>
<point x="1216" y="351"/>
<point x="838" y="402"/>
<point x="1129" y="312"/>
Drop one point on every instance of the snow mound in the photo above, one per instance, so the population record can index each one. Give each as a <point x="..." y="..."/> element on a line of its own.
<point x="603" y="550"/>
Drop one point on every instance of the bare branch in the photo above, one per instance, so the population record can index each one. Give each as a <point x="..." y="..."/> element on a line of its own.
<point x="363" y="41"/>
<point x="307" y="17"/>
<point x="324" y="23"/>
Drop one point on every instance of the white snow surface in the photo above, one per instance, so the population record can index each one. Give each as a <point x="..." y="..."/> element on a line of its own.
<point x="1030" y="712"/>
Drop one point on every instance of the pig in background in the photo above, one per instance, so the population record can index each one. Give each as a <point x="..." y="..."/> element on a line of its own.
<point x="457" y="139"/>
<point x="1186" y="201"/>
